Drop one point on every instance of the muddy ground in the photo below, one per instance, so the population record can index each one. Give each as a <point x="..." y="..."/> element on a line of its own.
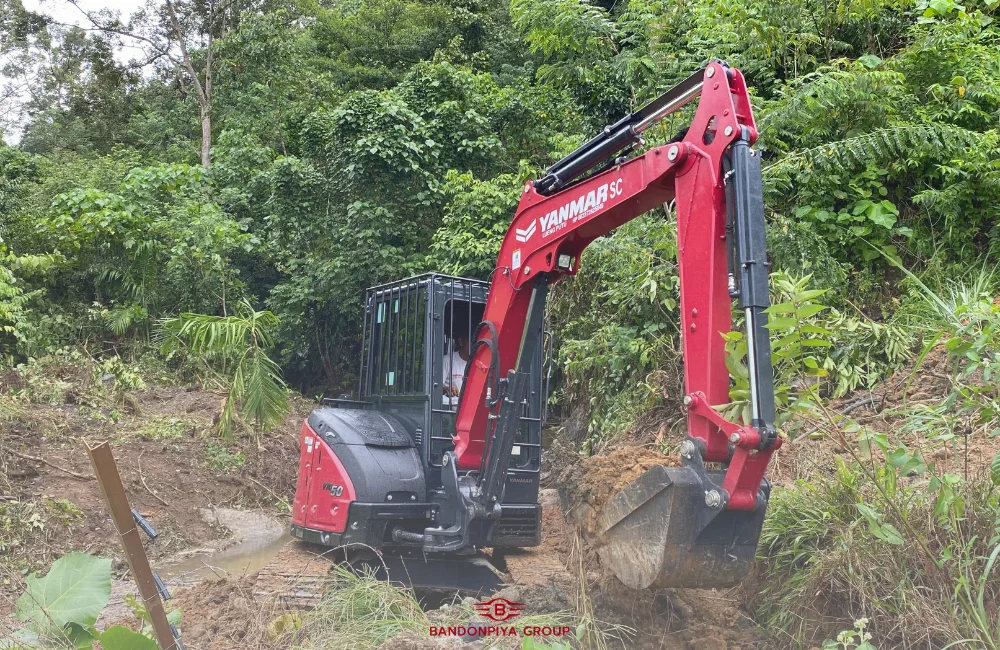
<point x="220" y="511"/>
<point x="204" y="496"/>
<point x="178" y="474"/>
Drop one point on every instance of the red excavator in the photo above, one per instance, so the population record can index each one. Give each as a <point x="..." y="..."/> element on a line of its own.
<point x="423" y="479"/>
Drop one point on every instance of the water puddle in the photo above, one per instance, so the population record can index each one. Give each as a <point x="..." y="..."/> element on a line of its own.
<point x="261" y="537"/>
<point x="242" y="559"/>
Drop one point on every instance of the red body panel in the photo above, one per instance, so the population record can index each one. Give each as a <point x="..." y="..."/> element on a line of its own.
<point x="324" y="490"/>
<point x="565" y="223"/>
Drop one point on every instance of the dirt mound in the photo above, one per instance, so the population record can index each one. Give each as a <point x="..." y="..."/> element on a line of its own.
<point x="586" y="484"/>
<point x="202" y="406"/>
<point x="225" y="615"/>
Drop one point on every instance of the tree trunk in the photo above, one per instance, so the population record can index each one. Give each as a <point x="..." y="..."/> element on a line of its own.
<point x="203" y="93"/>
<point x="206" y="136"/>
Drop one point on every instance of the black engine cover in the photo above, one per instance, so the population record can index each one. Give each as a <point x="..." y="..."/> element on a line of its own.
<point x="376" y="450"/>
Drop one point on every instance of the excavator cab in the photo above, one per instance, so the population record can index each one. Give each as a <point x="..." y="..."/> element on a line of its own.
<point x="411" y="357"/>
<point x="370" y="471"/>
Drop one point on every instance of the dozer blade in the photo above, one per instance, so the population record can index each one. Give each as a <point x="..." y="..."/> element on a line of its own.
<point x="659" y="532"/>
<point x="468" y="575"/>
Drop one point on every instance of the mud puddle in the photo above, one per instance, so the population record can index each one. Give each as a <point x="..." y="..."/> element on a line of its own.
<point x="255" y="539"/>
<point x="258" y="538"/>
<point x="239" y="560"/>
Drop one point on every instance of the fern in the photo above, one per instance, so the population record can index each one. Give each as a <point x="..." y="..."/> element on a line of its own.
<point x="905" y="141"/>
<point x="120" y="319"/>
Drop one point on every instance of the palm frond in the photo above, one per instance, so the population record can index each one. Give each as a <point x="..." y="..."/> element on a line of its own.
<point x="240" y="342"/>
<point x="265" y="399"/>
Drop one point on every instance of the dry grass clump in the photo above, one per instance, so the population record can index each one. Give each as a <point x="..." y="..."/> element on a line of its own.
<point x="363" y="613"/>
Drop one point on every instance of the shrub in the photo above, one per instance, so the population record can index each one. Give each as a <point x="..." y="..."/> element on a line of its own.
<point x="219" y="458"/>
<point x="60" y="609"/>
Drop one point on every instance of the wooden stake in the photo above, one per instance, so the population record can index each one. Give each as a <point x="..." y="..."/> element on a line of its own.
<point x="106" y="471"/>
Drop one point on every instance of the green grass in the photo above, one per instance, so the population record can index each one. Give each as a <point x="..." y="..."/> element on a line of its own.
<point x="219" y="458"/>
<point x="360" y="612"/>
<point x="164" y="428"/>
<point x="63" y="508"/>
<point x="820" y="567"/>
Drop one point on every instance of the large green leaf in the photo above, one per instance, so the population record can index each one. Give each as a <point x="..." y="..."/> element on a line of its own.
<point x="995" y="470"/>
<point x="122" y="638"/>
<point x="75" y="590"/>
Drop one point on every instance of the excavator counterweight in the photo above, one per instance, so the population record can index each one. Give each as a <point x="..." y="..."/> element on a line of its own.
<point x="413" y="468"/>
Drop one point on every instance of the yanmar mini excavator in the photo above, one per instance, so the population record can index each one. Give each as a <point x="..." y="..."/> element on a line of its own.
<point x="426" y="481"/>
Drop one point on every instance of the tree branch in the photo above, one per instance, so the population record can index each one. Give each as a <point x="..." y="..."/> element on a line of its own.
<point x="37" y="459"/>
<point x="185" y="57"/>
<point x="111" y="29"/>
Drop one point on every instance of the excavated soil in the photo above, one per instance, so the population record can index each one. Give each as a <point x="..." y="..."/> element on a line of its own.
<point x="602" y="477"/>
<point x="224" y="615"/>
<point x="586" y="484"/>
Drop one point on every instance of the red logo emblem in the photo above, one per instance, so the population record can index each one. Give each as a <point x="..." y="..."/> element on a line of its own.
<point x="499" y="609"/>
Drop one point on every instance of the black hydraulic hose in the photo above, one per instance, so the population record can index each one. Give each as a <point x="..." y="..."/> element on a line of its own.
<point x="406" y="537"/>
<point x="492" y="376"/>
<point x="616" y="138"/>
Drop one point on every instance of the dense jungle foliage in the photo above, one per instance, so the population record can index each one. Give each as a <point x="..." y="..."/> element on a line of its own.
<point x="283" y="155"/>
<point x="213" y="183"/>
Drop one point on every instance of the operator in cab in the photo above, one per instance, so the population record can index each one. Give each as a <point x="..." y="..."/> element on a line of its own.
<point x="453" y="369"/>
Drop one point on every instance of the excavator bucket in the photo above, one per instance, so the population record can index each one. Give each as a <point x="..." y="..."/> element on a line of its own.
<point x="660" y="532"/>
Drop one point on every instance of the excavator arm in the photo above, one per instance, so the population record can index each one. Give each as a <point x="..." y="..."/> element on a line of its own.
<point x="713" y="178"/>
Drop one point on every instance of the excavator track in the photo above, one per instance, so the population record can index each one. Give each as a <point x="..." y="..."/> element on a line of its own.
<point x="296" y="577"/>
<point x="299" y="574"/>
